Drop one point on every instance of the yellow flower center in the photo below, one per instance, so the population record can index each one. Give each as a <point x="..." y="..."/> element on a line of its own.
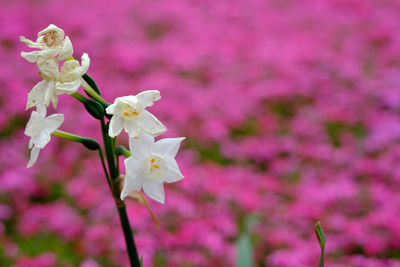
<point x="131" y="112"/>
<point x="51" y="38"/>
<point x="157" y="167"/>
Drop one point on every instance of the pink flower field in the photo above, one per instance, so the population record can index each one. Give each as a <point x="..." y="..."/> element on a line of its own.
<point x="291" y="113"/>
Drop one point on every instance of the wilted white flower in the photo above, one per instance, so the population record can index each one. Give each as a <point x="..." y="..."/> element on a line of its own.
<point x="150" y="165"/>
<point x="55" y="82"/>
<point x="39" y="129"/>
<point x="129" y="113"/>
<point x="51" y="43"/>
<point x="70" y="77"/>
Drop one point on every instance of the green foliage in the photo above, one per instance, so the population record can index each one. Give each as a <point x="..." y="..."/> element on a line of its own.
<point x="321" y="240"/>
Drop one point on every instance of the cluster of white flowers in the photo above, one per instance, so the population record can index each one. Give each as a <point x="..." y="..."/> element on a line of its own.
<point x="54" y="48"/>
<point x="150" y="164"/>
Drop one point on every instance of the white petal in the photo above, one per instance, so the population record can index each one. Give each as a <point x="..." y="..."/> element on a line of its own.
<point x="49" y="68"/>
<point x="42" y="139"/>
<point x="67" y="87"/>
<point x="173" y="174"/>
<point x="30" y="43"/>
<point x="31" y="57"/>
<point x="34" y="125"/>
<point x="131" y="183"/>
<point x="154" y="189"/>
<point x="142" y="144"/>
<point x="34" y="156"/>
<point x="148" y="97"/>
<point x="53" y="122"/>
<point x="50" y="94"/>
<point x="41" y="109"/>
<point x="150" y="124"/>
<point x="67" y="49"/>
<point x="168" y="146"/>
<point x="50" y="28"/>
<point x="116" y="125"/>
<point x="85" y="62"/>
<point x="112" y="109"/>
<point x="130" y="100"/>
<point x="36" y="96"/>
<point x="131" y="128"/>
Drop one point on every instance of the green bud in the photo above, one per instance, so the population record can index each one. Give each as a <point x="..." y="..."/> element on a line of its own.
<point x="90" y="144"/>
<point x="95" y="109"/>
<point x="91" y="82"/>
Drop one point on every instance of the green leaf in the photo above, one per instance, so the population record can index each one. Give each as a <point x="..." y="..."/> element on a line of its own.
<point x="321" y="240"/>
<point x="244" y="250"/>
<point x="91" y="82"/>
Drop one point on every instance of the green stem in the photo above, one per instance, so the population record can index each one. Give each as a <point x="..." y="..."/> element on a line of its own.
<point x="79" y="97"/>
<point x="104" y="167"/>
<point x="68" y="136"/>
<point x="93" y="93"/>
<point x="114" y="174"/>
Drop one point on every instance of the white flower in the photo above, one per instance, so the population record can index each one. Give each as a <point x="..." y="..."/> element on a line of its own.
<point x="39" y="129"/>
<point x="71" y="74"/>
<point x="51" y="43"/>
<point x="150" y="165"/>
<point x="55" y="82"/>
<point x="129" y="113"/>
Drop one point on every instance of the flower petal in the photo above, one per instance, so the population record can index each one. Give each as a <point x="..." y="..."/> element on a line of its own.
<point x="67" y="87"/>
<point x="67" y="49"/>
<point x="34" y="156"/>
<point x="131" y="128"/>
<point x="116" y="125"/>
<point x="37" y="94"/>
<point x="154" y="189"/>
<point x="42" y="139"/>
<point x="112" y="109"/>
<point x="150" y="124"/>
<point x="142" y="144"/>
<point x="31" y="57"/>
<point x="85" y="62"/>
<point x="53" y="122"/>
<point x="148" y="97"/>
<point x="168" y="146"/>
<point x="34" y="125"/>
<point x="173" y="174"/>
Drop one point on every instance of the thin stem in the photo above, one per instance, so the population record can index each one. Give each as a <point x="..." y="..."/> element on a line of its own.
<point x="114" y="173"/>
<point x="93" y="93"/>
<point x="130" y="243"/>
<point x="104" y="167"/>
<point x="68" y="136"/>
<point x="79" y="97"/>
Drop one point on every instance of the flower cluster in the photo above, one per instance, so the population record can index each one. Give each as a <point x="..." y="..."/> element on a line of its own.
<point x="149" y="165"/>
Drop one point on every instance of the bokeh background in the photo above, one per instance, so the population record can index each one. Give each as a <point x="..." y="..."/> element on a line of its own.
<point x="291" y="113"/>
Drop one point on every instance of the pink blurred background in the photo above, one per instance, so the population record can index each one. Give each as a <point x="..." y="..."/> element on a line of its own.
<point x="291" y="113"/>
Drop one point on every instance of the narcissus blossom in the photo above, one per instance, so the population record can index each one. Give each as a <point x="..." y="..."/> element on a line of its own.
<point x="51" y="43"/>
<point x="129" y="113"/>
<point x="56" y="82"/>
<point x="150" y="165"/>
<point x="39" y="129"/>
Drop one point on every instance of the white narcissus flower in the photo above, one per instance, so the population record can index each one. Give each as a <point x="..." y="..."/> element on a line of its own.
<point x="39" y="129"/>
<point x="55" y="82"/>
<point x="51" y="43"/>
<point x="129" y="113"/>
<point x="71" y="74"/>
<point x="150" y="165"/>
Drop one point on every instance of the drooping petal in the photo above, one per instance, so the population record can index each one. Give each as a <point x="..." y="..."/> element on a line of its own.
<point x="150" y="124"/>
<point x="53" y="122"/>
<point x="131" y="183"/>
<point x="37" y="94"/>
<point x="154" y="189"/>
<point x="168" y="146"/>
<point x="85" y="62"/>
<point x="67" y="49"/>
<point x="34" y="156"/>
<point x="148" y="97"/>
<point x="42" y="139"/>
<point x="131" y="128"/>
<point x="172" y="174"/>
<point x="30" y="43"/>
<point x="31" y="57"/>
<point x="34" y="124"/>
<point x="142" y="144"/>
<point x="50" y="94"/>
<point x="116" y="125"/>
<point x="67" y="87"/>
<point x="53" y="27"/>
